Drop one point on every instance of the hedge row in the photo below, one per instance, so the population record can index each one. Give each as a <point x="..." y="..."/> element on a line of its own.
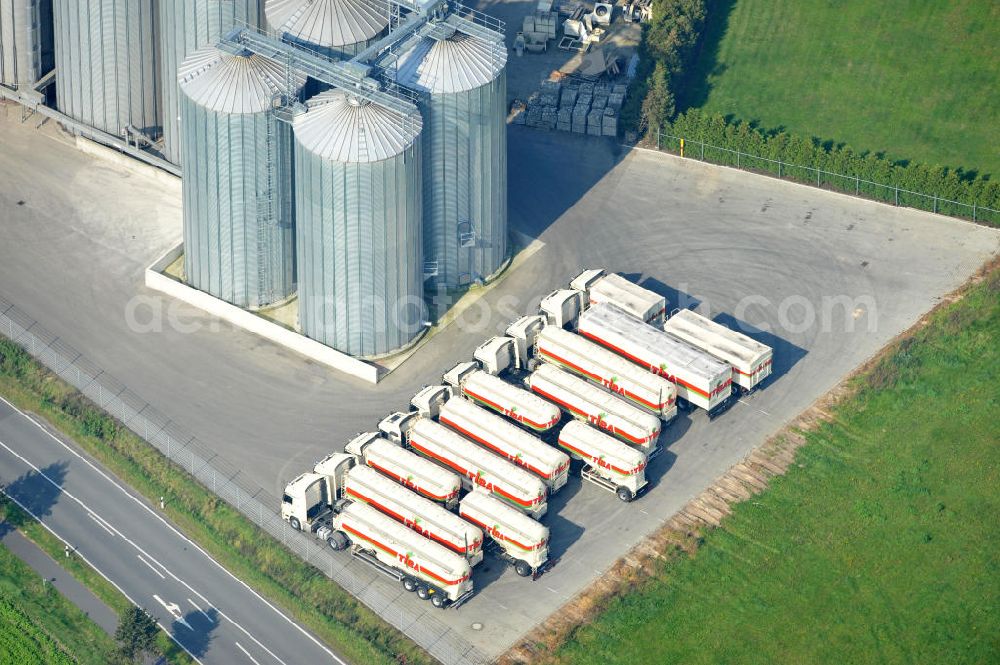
<point x="853" y="167"/>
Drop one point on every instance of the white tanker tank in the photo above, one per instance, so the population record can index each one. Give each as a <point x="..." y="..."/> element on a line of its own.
<point x="476" y="466"/>
<point x="700" y="379"/>
<point x="610" y="463"/>
<point x="587" y="402"/>
<point x="420" y="564"/>
<point x="495" y="433"/>
<point x="347" y="480"/>
<point x="406" y="468"/>
<point x="521" y="540"/>
<point x="494" y="393"/>
<point x="751" y="361"/>
<point x="640" y="302"/>
<point x="602" y="366"/>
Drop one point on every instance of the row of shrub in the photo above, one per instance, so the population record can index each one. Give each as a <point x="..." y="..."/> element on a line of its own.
<point x="247" y="551"/>
<point x="670" y="42"/>
<point x="854" y="168"/>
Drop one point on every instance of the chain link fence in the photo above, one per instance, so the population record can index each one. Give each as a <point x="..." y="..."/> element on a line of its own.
<point x="839" y="182"/>
<point x="403" y="611"/>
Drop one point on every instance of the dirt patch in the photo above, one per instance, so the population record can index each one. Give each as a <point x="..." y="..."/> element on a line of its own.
<point x="682" y="534"/>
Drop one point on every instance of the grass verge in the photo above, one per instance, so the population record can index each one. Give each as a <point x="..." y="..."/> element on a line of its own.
<point x="84" y="574"/>
<point x="878" y="545"/>
<point x="245" y="550"/>
<point x="39" y="625"/>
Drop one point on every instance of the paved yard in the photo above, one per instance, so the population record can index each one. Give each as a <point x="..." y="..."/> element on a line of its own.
<point x="824" y="278"/>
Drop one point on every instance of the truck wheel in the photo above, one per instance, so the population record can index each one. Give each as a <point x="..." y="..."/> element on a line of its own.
<point x="438" y="601"/>
<point x="294" y="521"/>
<point x="625" y="494"/>
<point x="337" y="541"/>
<point x="423" y="593"/>
<point x="409" y="584"/>
<point x="522" y="568"/>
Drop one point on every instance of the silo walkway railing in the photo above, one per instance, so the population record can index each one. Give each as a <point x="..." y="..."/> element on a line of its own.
<point x="412" y="617"/>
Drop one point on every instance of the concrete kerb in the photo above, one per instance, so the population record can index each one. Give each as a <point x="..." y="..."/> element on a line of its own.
<point x="158" y="281"/>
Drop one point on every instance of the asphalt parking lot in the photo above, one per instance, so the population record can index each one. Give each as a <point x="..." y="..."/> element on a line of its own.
<point x="824" y="278"/>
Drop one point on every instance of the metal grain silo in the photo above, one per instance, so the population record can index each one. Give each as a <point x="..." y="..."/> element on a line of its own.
<point x="25" y="41"/>
<point x="239" y="240"/>
<point x="358" y="190"/>
<point x="337" y="29"/>
<point x="106" y="73"/>
<point x="465" y="152"/>
<point x="187" y="25"/>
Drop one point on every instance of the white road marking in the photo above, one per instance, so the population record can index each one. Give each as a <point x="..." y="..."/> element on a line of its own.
<point x="92" y="565"/>
<point x="210" y="619"/>
<point x="552" y="590"/>
<point x="175" y="611"/>
<point x="101" y="523"/>
<point x="139" y="556"/>
<point x="240" y="647"/>
<point x="180" y="535"/>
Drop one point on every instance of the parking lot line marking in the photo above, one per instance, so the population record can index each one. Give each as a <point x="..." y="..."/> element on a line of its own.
<point x="139" y="556"/>
<point x="552" y="590"/>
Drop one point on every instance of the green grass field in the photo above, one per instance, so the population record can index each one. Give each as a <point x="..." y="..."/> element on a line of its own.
<point x="38" y="625"/>
<point x="880" y="545"/>
<point x="916" y="79"/>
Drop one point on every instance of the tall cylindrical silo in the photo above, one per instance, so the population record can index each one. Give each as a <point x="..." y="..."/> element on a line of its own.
<point x="187" y="25"/>
<point x="25" y="41"/>
<point x="239" y="239"/>
<point x="465" y="153"/>
<point x="358" y="190"/>
<point x="106" y="73"/>
<point x="337" y="29"/>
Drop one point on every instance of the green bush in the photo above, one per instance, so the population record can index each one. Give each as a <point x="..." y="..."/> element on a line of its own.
<point x="853" y="166"/>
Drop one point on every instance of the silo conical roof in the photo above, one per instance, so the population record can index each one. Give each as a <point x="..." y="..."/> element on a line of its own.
<point x="341" y="127"/>
<point x="456" y="64"/>
<point x="328" y="23"/>
<point x="227" y="83"/>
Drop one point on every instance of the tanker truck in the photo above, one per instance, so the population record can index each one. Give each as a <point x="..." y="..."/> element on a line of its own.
<point x="494" y="393"/>
<point x="348" y="479"/>
<point x="517" y="539"/>
<point x="495" y="433"/>
<point x="476" y="466"/>
<point x="421" y="565"/>
<point x="406" y="468"/>
<point x="701" y="380"/>
<point x="606" y="368"/>
<point x="609" y="463"/>
<point x="585" y="401"/>
<point x="599" y="286"/>
<point x="750" y="360"/>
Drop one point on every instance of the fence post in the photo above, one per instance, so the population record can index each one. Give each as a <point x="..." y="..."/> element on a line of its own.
<point x="935" y="204"/>
<point x="817" y="177"/>
<point x="973" y="212"/>
<point x="897" y="195"/>
<point x="779" y="167"/>
<point x="657" y="138"/>
<point x="738" y="153"/>
<point x="857" y="185"/>
<point x="702" y="151"/>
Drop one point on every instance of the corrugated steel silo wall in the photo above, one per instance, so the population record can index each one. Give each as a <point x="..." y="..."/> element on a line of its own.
<point x="25" y="41"/>
<point x="186" y="25"/>
<point x="359" y="251"/>
<point x="230" y="250"/>
<point x="465" y="180"/>
<point x="106" y="63"/>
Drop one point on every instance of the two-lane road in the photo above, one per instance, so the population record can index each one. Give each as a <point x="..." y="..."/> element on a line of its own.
<point x="213" y="615"/>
